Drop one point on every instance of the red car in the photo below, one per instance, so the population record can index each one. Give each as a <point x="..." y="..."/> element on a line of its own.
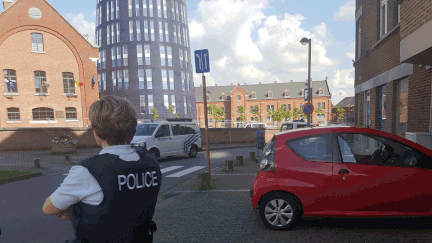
<point x="341" y="171"/>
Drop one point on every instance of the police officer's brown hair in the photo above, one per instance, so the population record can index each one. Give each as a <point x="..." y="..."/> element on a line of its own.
<point x="113" y="119"/>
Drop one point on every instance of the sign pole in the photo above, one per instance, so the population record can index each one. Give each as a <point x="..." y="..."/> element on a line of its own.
<point x="206" y="125"/>
<point x="309" y="83"/>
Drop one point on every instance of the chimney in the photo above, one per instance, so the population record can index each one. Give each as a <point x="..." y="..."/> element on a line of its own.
<point x="215" y="84"/>
<point x="7" y="3"/>
<point x="326" y="78"/>
<point x="238" y="83"/>
<point x="291" y="81"/>
<point x="245" y="84"/>
<point x="231" y="83"/>
<point x="200" y="85"/>
<point x="275" y="81"/>
<point x="259" y="82"/>
<point x="86" y="36"/>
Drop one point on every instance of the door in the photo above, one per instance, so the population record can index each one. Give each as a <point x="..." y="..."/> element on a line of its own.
<point x="179" y="134"/>
<point x="378" y="177"/>
<point x="163" y="140"/>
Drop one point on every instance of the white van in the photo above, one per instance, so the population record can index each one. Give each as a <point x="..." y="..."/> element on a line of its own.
<point x="163" y="139"/>
<point x="254" y="125"/>
<point x="294" y="125"/>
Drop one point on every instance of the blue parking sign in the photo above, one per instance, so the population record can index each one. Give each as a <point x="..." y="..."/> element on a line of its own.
<point x="202" y="64"/>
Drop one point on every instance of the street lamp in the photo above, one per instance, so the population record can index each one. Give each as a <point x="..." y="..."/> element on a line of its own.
<point x="304" y="42"/>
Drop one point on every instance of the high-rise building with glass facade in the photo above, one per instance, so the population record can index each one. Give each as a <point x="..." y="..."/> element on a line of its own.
<point x="145" y="55"/>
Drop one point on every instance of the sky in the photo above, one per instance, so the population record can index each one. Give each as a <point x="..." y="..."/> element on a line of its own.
<point x="251" y="41"/>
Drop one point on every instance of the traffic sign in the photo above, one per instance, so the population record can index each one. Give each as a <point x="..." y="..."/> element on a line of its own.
<point x="306" y="92"/>
<point x="202" y="63"/>
<point x="308" y="108"/>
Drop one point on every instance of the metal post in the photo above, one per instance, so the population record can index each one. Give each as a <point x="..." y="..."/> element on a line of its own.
<point x="309" y="82"/>
<point x="206" y="125"/>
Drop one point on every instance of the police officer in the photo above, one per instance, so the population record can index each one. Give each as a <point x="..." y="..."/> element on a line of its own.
<point x="110" y="197"/>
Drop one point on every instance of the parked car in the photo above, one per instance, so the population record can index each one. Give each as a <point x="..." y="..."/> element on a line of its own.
<point x="164" y="139"/>
<point x="294" y="125"/>
<point x="341" y="171"/>
<point x="254" y="125"/>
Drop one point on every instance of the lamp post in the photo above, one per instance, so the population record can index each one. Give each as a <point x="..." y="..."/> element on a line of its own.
<point x="306" y="41"/>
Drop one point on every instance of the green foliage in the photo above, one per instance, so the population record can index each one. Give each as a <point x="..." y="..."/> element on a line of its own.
<point x="242" y="111"/>
<point x="339" y="112"/>
<point x="171" y="110"/>
<point x="297" y="113"/>
<point x="319" y="111"/>
<point x="217" y="113"/>
<point x="154" y="112"/>
<point x="257" y="112"/>
<point x="176" y="116"/>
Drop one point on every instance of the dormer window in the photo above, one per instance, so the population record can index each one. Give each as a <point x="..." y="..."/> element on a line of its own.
<point x="321" y="92"/>
<point x="208" y="97"/>
<point x="302" y="92"/>
<point x="224" y="96"/>
<point x="286" y="94"/>
<point x="253" y="95"/>
<point x="270" y="94"/>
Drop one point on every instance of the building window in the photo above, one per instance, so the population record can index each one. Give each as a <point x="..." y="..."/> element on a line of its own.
<point x="208" y="97"/>
<point x="149" y="78"/>
<point x="269" y="119"/>
<point x="130" y="8"/>
<point x="224" y="96"/>
<point x="185" y="105"/>
<point x="117" y="9"/>
<point x="113" y="39"/>
<point x="164" y="79"/>
<point x="11" y="85"/>
<point x="161" y="31"/>
<point x="166" y="32"/>
<point x="131" y="30"/>
<point x="402" y="107"/>
<point x="37" y="42"/>
<point x="172" y="10"/>
<point x="159" y="7"/>
<point x="108" y="34"/>
<point x="175" y="33"/>
<point x="137" y="8"/>
<point x="152" y="30"/>
<point x="103" y="59"/>
<point x="145" y="8"/>
<point x="321" y="92"/>
<point x="41" y="114"/>
<point x="383" y="18"/>
<point x="113" y="57"/>
<point x="238" y="97"/>
<point x="125" y="56"/>
<point x="301" y="107"/>
<point x="183" y="80"/>
<point x="176" y="9"/>
<point x="164" y="9"/>
<point x="138" y="30"/>
<point x="126" y="79"/>
<point x="13" y="114"/>
<point x="322" y="116"/>
<point x="171" y="79"/>
<point x="186" y="59"/>
<point x="181" y="57"/>
<point x="139" y="54"/>
<point x="162" y="55"/>
<point x="120" y="79"/>
<point x="151" y="8"/>
<point x="253" y="95"/>
<point x="166" y="103"/>
<point x="179" y="34"/>
<point x="286" y="94"/>
<point x="142" y="104"/>
<point x="112" y="9"/>
<point x="150" y="103"/>
<point x="100" y="14"/>
<point x="68" y="83"/>
<point x="270" y="94"/>
<point x="141" y="79"/>
<point x="104" y="81"/>
<point x="71" y="113"/>
<point x="173" y="103"/>
<point x="169" y="52"/>
<point x="119" y="56"/>
<point x="118" y="32"/>
<point x="146" y="31"/>
<point x="114" y="80"/>
<point x="99" y="82"/>
<point x="399" y="13"/>
<point x="270" y="107"/>
<point x="321" y="105"/>
<point x="40" y="82"/>
<point x="107" y="11"/>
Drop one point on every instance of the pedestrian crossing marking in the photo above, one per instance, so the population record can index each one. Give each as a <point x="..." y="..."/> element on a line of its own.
<point x="187" y="171"/>
<point x="170" y="168"/>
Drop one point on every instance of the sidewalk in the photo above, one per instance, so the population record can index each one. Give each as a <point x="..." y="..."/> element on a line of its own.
<point x="223" y="214"/>
<point x="55" y="164"/>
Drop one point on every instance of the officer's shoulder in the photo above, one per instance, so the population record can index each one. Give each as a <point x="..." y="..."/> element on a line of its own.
<point x="90" y="160"/>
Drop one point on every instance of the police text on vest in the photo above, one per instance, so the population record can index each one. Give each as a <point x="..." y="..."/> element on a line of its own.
<point x="133" y="181"/>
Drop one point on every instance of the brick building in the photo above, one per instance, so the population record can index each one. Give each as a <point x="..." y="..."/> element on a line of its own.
<point x="392" y="73"/>
<point x="349" y="111"/>
<point x="266" y="96"/>
<point x="41" y="57"/>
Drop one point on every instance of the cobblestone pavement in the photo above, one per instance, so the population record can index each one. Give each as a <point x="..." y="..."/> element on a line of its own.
<point x="227" y="216"/>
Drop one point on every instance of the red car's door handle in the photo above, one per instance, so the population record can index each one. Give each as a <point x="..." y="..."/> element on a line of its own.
<point x="343" y="171"/>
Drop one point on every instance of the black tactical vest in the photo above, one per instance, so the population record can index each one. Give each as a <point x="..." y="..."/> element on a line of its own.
<point x="130" y="190"/>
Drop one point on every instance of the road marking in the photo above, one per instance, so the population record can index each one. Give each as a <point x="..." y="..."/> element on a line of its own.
<point x="170" y="168"/>
<point x="239" y="190"/>
<point x="187" y="171"/>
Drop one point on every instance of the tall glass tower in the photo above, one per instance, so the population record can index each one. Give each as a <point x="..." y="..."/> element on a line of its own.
<point x="145" y="56"/>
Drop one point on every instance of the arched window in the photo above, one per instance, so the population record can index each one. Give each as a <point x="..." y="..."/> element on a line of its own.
<point x="41" y="114"/>
<point x="286" y="93"/>
<point x="270" y="94"/>
<point x="13" y="114"/>
<point x="71" y="113"/>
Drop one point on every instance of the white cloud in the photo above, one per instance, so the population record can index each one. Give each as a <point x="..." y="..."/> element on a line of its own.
<point x="221" y="63"/>
<point x="94" y="13"/>
<point x="250" y="72"/>
<point x="346" y="12"/>
<point x="198" y="79"/>
<point x="196" y="30"/>
<point x="82" y="25"/>
<point x="350" y="55"/>
<point x="342" y="79"/>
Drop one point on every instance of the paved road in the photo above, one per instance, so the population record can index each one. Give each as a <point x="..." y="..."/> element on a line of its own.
<point x="21" y="216"/>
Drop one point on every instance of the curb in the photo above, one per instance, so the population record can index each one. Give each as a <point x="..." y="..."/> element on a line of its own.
<point x="20" y="177"/>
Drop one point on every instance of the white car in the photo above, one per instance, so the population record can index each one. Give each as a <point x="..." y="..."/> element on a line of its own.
<point x="254" y="125"/>
<point x="294" y="125"/>
<point x="163" y="139"/>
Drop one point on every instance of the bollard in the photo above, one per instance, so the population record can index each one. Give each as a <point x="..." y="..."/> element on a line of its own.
<point x="205" y="180"/>
<point x="229" y="165"/>
<point x="252" y="156"/>
<point x="68" y="158"/>
<point x="37" y="163"/>
<point x="240" y="160"/>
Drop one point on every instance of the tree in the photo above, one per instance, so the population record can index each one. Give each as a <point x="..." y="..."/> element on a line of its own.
<point x="297" y="113"/>
<point x="277" y="115"/>
<point x="286" y="114"/>
<point x="171" y="110"/>
<point x="241" y="110"/>
<point x="257" y="112"/>
<point x="176" y="116"/>
<point x="216" y="112"/>
<point x="319" y="111"/>
<point x="338" y="113"/>
<point x="154" y="112"/>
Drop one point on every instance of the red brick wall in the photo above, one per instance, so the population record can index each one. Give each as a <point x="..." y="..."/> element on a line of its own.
<point x="65" y="51"/>
<point x="419" y="98"/>
<point x="414" y="14"/>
